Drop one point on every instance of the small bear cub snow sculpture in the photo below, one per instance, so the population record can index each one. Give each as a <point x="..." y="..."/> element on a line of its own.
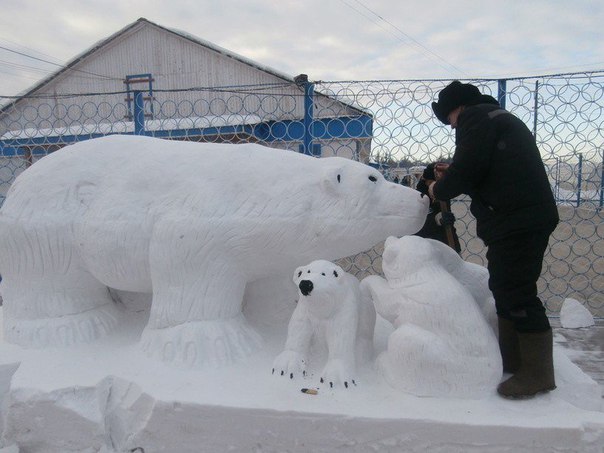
<point x="330" y="311"/>
<point x="474" y="277"/>
<point x="442" y="344"/>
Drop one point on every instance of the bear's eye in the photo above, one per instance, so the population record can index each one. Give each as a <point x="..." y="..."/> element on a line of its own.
<point x="299" y="273"/>
<point x="323" y="274"/>
<point x="308" y="271"/>
<point x="339" y="178"/>
<point x="335" y="274"/>
<point x="372" y="178"/>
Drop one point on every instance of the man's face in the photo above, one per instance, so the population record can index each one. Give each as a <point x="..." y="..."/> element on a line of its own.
<point x="453" y="116"/>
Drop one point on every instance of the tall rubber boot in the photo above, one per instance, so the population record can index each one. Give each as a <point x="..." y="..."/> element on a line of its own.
<point x="536" y="372"/>
<point x="508" y="345"/>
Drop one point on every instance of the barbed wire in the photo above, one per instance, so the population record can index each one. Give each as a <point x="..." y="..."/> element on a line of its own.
<point x="251" y="88"/>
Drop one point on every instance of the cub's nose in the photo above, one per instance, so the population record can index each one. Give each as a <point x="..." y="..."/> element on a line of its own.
<point x="306" y="287"/>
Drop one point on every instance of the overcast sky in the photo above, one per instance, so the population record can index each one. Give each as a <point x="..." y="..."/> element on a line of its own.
<point x="326" y="39"/>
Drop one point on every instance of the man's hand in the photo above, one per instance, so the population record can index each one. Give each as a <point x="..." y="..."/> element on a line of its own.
<point x="429" y="171"/>
<point x="444" y="218"/>
<point x="440" y="169"/>
<point x="432" y="173"/>
<point x="430" y="184"/>
<point x="422" y="185"/>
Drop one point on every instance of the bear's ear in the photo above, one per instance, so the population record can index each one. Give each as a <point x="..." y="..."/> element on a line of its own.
<point x="332" y="179"/>
<point x="297" y="274"/>
<point x="390" y="241"/>
<point x="390" y="256"/>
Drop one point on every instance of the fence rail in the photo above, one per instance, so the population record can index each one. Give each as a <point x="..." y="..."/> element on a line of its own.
<point x="387" y="124"/>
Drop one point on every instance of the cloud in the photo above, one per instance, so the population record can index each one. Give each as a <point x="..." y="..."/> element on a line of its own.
<point x="334" y="39"/>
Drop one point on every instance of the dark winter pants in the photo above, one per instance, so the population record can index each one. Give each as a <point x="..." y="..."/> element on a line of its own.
<point x="514" y="264"/>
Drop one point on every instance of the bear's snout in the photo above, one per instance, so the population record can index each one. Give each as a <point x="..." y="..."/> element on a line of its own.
<point x="306" y="287"/>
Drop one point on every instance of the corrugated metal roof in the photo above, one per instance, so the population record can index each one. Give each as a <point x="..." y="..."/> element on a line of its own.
<point x="141" y="22"/>
<point x="138" y="23"/>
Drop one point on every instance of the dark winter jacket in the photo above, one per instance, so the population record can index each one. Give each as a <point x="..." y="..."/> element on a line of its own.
<point x="497" y="163"/>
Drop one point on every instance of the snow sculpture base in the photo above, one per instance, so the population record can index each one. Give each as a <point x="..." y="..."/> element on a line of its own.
<point x="66" y="330"/>
<point x="107" y="396"/>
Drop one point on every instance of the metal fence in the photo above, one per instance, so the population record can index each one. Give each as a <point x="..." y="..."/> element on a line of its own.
<point x="387" y="124"/>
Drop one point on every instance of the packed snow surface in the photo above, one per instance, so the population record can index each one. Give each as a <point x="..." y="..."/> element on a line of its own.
<point x="110" y="395"/>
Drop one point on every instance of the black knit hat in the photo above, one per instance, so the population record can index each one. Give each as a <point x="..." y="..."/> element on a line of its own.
<point x="454" y="95"/>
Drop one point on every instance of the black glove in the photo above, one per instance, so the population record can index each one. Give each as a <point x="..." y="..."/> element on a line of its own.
<point x="445" y="218"/>
<point x="422" y="186"/>
<point x="429" y="172"/>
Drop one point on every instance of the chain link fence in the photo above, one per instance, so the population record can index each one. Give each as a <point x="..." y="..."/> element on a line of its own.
<point x="386" y="124"/>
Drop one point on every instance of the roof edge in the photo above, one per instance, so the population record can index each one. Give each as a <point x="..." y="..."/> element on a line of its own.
<point x="184" y="35"/>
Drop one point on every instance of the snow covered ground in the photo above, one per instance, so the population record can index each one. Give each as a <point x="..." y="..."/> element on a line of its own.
<point x="107" y="396"/>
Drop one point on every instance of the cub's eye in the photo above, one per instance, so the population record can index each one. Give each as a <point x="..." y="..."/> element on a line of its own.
<point x="299" y="273"/>
<point x="308" y="271"/>
<point x="323" y="274"/>
<point x="335" y="274"/>
<point x="339" y="178"/>
<point x="372" y="178"/>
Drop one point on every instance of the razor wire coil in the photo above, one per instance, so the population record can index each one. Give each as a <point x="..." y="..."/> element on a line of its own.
<point x="388" y="124"/>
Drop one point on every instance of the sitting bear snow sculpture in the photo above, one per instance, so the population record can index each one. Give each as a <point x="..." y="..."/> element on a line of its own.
<point x="442" y="345"/>
<point x="331" y="311"/>
<point x="473" y="277"/>
<point x="190" y="223"/>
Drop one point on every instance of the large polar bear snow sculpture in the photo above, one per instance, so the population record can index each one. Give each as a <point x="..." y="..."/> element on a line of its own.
<point x="332" y="312"/>
<point x="442" y="344"/>
<point x="191" y="224"/>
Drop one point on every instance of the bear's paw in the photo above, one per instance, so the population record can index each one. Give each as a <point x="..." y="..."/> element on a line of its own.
<point x="338" y="372"/>
<point x="290" y="363"/>
<point x="63" y="331"/>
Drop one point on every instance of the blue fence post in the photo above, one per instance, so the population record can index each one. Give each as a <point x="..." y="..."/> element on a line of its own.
<point x="139" y="113"/>
<point x="602" y="184"/>
<point x="309" y="90"/>
<point x="579" y="179"/>
<point x="557" y="179"/>
<point x="501" y="92"/>
<point x="536" y="112"/>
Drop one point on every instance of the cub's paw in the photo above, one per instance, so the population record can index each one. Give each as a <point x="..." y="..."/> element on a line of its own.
<point x="290" y="363"/>
<point x="338" y="372"/>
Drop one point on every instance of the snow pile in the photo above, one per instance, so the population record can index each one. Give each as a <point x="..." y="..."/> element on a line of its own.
<point x="574" y="315"/>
